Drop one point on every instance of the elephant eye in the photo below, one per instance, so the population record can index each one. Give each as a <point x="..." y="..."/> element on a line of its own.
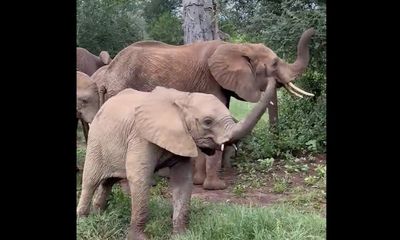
<point x="208" y="121"/>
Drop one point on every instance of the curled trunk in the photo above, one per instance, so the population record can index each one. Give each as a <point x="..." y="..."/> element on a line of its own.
<point x="242" y="128"/>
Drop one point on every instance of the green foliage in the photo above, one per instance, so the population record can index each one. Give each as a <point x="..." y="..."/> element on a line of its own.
<point x="161" y="187"/>
<point x="239" y="190"/>
<point x="163" y="22"/>
<point x="302" y="124"/>
<point x="309" y="200"/>
<point x="221" y="221"/>
<point x="281" y="184"/>
<point x="152" y="9"/>
<point x="318" y="177"/>
<point x="167" y="28"/>
<point x="108" y="25"/>
<point x="80" y="154"/>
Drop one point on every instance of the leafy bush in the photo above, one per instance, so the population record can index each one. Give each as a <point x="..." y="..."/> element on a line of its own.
<point x="108" y="25"/>
<point x="167" y="29"/>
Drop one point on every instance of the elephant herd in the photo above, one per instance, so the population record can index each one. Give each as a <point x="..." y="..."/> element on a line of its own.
<point x="156" y="106"/>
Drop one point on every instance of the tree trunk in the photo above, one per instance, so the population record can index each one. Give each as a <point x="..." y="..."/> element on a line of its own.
<point x="199" y="23"/>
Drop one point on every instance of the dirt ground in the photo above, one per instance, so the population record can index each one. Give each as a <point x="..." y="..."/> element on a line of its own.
<point x="263" y="196"/>
<point x="259" y="197"/>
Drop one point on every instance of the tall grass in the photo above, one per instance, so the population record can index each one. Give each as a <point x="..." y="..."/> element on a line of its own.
<point x="208" y="221"/>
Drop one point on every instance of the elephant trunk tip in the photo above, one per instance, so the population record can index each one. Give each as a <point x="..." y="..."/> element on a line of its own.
<point x="310" y="32"/>
<point x="303" y="55"/>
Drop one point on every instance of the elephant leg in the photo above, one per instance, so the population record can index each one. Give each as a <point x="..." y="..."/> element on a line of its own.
<point x="199" y="170"/>
<point x="102" y="193"/>
<point x="181" y="185"/>
<point x="213" y="165"/>
<point x="124" y="184"/>
<point x="89" y="185"/>
<point x="140" y="164"/>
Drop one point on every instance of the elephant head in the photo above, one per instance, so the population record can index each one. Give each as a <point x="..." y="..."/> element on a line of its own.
<point x="87" y="97"/>
<point x="88" y="63"/>
<point x="246" y="68"/>
<point x="187" y="121"/>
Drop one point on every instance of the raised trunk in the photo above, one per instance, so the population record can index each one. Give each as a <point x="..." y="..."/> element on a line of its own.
<point x="303" y="55"/>
<point x="245" y="126"/>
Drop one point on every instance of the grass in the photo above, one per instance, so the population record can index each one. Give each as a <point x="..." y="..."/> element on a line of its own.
<point x="218" y="221"/>
<point x="207" y="221"/>
<point x="308" y="200"/>
<point x="239" y="109"/>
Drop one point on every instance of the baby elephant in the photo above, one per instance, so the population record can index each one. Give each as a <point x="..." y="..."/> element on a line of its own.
<point x="136" y="133"/>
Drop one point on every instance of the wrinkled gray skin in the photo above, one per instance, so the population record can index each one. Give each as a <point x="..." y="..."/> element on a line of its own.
<point x="88" y="63"/>
<point x="135" y="133"/>
<point x="214" y="67"/>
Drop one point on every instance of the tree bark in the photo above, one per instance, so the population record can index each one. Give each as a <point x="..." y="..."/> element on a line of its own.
<point x="199" y="22"/>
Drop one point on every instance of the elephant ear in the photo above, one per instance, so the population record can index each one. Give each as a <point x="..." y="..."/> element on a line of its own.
<point x="160" y="121"/>
<point x="231" y="68"/>
<point x="105" y="57"/>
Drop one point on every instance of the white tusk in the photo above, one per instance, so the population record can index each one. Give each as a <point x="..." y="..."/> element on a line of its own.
<point x="292" y="92"/>
<point x="300" y="90"/>
<point x="271" y="102"/>
<point x="222" y="147"/>
<point x="234" y="146"/>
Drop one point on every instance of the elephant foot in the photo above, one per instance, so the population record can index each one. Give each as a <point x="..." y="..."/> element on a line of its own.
<point x="199" y="178"/>
<point x="179" y="230"/>
<point x="134" y="235"/>
<point x="81" y="214"/>
<point x="214" y="184"/>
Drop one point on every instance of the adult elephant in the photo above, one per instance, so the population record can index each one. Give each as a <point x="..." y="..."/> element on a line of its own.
<point x="215" y="67"/>
<point x="88" y="63"/>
